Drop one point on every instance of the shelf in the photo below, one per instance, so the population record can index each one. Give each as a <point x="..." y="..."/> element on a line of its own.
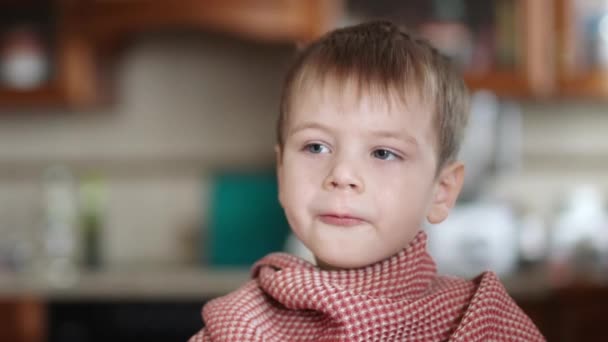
<point x="98" y="30"/>
<point x="48" y="95"/>
<point x="590" y="85"/>
<point x="579" y="71"/>
<point x="503" y="83"/>
<point x="262" y="20"/>
<point x="503" y="45"/>
<point x="54" y="29"/>
<point x="184" y="283"/>
<point x="84" y="34"/>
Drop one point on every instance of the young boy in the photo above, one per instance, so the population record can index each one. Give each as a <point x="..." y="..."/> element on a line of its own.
<point x="370" y="124"/>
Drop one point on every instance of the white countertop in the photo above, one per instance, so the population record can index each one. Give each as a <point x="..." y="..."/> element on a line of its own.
<point x="185" y="283"/>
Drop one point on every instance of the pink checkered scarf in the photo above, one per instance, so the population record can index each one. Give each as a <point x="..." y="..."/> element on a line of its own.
<point x="398" y="299"/>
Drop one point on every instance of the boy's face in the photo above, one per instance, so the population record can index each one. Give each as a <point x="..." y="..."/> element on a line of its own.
<point x="357" y="175"/>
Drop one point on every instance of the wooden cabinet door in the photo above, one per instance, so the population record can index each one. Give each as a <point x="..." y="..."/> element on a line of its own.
<point x="581" y="27"/>
<point x="23" y="320"/>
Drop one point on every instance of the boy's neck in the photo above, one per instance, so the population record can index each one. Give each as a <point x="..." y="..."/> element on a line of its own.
<point x="327" y="267"/>
<point x="324" y="266"/>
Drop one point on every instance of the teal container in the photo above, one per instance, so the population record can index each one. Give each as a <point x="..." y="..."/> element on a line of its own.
<point x="246" y="221"/>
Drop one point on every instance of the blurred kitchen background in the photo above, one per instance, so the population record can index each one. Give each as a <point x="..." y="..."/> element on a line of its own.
<point x="136" y="156"/>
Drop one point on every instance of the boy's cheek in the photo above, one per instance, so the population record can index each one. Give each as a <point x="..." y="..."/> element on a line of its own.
<point x="305" y="165"/>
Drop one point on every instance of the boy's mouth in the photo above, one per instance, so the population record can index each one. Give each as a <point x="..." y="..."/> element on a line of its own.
<point x="340" y="220"/>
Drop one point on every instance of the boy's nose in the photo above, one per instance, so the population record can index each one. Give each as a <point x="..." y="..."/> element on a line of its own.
<point x="343" y="178"/>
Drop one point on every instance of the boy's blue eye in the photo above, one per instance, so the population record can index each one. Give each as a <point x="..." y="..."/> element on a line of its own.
<point x="384" y="154"/>
<point x="316" y="148"/>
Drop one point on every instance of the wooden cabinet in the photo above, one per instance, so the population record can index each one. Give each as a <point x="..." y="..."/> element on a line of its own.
<point x="501" y="45"/>
<point x="83" y="34"/>
<point x="570" y="314"/>
<point x="581" y="27"/>
<point x="531" y="74"/>
<point x="261" y="20"/>
<point x="23" y="319"/>
<point x="46" y="59"/>
<point x="515" y="48"/>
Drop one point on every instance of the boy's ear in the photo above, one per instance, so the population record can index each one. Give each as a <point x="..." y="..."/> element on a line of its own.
<point x="447" y="188"/>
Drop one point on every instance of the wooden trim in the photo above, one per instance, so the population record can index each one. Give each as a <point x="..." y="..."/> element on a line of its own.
<point x="31" y="314"/>
<point x="262" y="20"/>
<point x="573" y="80"/>
<point x="48" y="95"/>
<point x="23" y="319"/>
<point x="91" y="31"/>
<point x="504" y="83"/>
<point x="73" y="82"/>
<point x="565" y="35"/>
<point x="589" y="84"/>
<point x="77" y="61"/>
<point x="323" y="16"/>
<point x="534" y="74"/>
<point x="539" y="45"/>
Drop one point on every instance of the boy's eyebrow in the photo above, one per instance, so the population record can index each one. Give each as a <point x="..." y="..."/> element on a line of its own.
<point x="308" y="125"/>
<point x="380" y="133"/>
<point x="396" y="135"/>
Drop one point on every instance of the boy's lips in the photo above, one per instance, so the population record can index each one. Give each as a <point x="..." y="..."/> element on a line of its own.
<point x="343" y="220"/>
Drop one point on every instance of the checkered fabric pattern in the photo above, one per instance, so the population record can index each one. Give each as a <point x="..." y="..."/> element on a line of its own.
<point x="398" y="299"/>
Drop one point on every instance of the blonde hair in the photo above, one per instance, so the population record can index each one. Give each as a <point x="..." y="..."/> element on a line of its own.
<point x="382" y="55"/>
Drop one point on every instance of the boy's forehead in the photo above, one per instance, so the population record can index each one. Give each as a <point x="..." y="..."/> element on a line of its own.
<point x="351" y="93"/>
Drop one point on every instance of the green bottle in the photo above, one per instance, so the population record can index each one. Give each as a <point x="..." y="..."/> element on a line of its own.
<point x="93" y="198"/>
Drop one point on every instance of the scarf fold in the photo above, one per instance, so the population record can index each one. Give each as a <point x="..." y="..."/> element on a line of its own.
<point x="398" y="299"/>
